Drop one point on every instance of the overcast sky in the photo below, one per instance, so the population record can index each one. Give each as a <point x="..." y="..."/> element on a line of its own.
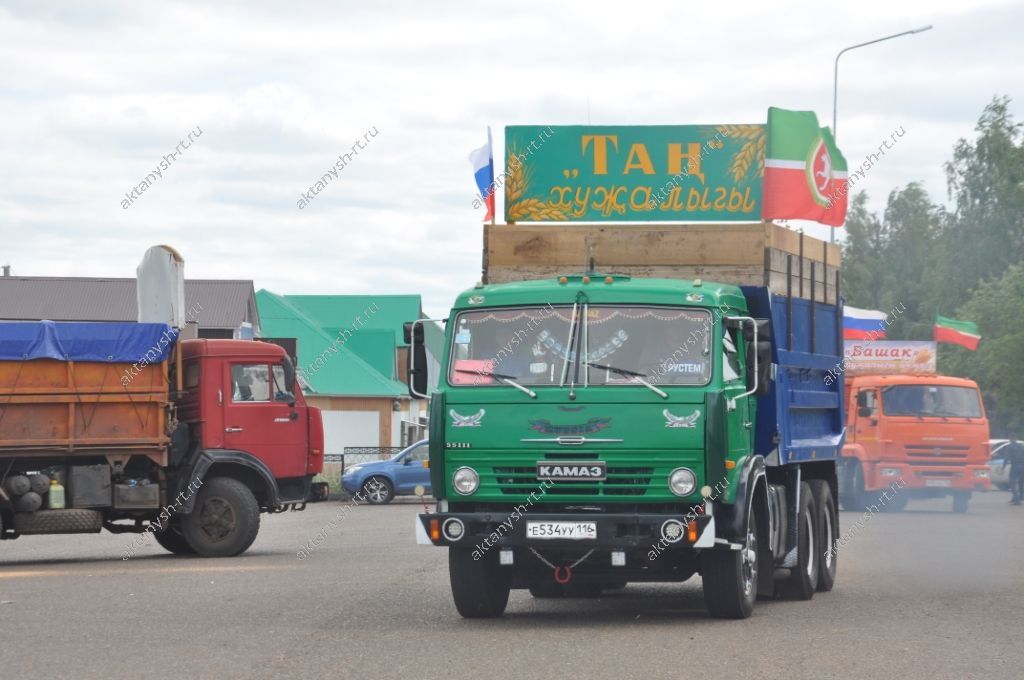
<point x="94" y="95"/>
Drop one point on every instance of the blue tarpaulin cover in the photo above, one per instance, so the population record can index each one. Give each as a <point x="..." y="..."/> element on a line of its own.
<point x="102" y="342"/>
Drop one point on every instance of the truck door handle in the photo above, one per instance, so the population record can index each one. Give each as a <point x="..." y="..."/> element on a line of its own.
<point x="232" y="429"/>
<point x="748" y="424"/>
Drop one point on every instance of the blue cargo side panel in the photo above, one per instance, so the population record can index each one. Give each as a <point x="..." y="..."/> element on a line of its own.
<point x="100" y="342"/>
<point x="802" y="415"/>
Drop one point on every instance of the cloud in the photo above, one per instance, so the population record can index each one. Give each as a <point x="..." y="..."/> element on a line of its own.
<point x="93" y="96"/>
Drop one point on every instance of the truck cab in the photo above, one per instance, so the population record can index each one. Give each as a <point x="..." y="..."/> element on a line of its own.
<point x="928" y="432"/>
<point x="591" y="430"/>
<point x="246" y="409"/>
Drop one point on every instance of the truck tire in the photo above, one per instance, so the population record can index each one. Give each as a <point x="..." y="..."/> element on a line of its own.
<point x="225" y="520"/>
<point x="730" y="576"/>
<point x="480" y="588"/>
<point x="828" y="523"/>
<point x="803" y="578"/>
<point x="173" y="541"/>
<point x="854" y="498"/>
<point x="68" y="521"/>
<point x="961" y="500"/>
<point x="378" y="491"/>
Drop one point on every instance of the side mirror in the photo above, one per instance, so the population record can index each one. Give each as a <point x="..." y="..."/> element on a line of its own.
<point x="764" y="364"/>
<point x="864" y="412"/>
<point x="862" y="399"/>
<point x="408" y="461"/>
<point x="416" y="361"/>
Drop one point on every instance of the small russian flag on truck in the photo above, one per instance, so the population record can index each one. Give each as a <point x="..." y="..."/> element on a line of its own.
<point x="863" y="324"/>
<point x="483" y="172"/>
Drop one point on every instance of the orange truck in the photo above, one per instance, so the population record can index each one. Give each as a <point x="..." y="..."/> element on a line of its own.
<point x="907" y="425"/>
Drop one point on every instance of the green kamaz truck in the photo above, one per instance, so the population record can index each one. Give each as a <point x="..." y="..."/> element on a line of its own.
<point x="593" y="429"/>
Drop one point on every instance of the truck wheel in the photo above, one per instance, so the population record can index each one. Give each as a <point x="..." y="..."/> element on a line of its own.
<point x="854" y="496"/>
<point x="803" y="578"/>
<point x="961" y="500"/>
<point x="225" y="520"/>
<point x="730" y="576"/>
<point x="828" y="522"/>
<point x="480" y="588"/>
<point x="172" y="540"/>
<point x="378" y="491"/>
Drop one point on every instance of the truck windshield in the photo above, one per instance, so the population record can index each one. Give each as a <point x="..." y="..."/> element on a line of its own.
<point x="931" y="401"/>
<point x="663" y="345"/>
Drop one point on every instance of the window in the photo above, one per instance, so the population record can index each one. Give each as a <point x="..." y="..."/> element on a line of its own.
<point x="531" y="345"/>
<point x="281" y="392"/>
<point x="191" y="375"/>
<point x="250" y="383"/>
<point x="731" y="356"/>
<point x="931" y="401"/>
<point x="419" y="454"/>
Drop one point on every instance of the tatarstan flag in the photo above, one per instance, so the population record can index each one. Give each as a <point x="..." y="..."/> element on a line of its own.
<point x="963" y="333"/>
<point x="804" y="173"/>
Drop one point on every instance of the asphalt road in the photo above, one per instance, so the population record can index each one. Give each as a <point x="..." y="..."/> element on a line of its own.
<point x="920" y="594"/>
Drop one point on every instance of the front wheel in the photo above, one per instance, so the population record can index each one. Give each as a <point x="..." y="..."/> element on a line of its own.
<point x="961" y="500"/>
<point x="480" y="587"/>
<point x="378" y="491"/>
<point x="225" y="520"/>
<point x="730" y="576"/>
<point x="173" y="540"/>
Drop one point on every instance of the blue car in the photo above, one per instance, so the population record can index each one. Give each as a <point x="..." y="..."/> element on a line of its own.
<point x="382" y="480"/>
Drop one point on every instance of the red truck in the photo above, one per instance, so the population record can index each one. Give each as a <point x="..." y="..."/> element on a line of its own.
<point x="121" y="426"/>
<point x="908" y="425"/>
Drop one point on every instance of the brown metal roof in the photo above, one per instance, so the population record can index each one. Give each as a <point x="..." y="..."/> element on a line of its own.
<point x="222" y="304"/>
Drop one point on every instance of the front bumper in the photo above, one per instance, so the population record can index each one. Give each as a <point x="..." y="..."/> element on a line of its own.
<point x="932" y="479"/>
<point x="614" y="531"/>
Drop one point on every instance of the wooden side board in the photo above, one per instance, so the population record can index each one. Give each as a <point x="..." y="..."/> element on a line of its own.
<point x="747" y="254"/>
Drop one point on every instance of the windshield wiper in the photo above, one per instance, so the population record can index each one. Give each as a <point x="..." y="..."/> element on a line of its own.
<point x="507" y="379"/>
<point x="637" y="377"/>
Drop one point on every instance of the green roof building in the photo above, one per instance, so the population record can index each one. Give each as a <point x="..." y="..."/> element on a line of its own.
<point x="351" y="362"/>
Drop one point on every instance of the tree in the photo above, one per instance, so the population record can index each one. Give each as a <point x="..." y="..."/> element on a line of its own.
<point x="997" y="307"/>
<point x="986" y="180"/>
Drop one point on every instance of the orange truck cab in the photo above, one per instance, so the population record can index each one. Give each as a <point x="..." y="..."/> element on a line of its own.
<point x="925" y="433"/>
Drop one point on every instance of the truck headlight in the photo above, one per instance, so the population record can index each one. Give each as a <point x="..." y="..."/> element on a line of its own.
<point x="889" y="472"/>
<point x="466" y="480"/>
<point x="981" y="473"/>
<point x="682" y="481"/>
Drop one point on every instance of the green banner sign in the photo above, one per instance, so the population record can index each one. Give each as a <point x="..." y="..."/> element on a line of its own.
<point x="633" y="173"/>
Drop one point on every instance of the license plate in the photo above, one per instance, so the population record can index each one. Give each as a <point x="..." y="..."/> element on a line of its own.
<point x="936" y="482"/>
<point x="574" y="531"/>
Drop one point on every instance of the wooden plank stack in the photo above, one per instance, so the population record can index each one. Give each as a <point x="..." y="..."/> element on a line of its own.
<point x="757" y="254"/>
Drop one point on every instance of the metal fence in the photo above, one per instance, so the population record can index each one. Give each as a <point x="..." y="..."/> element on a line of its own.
<point x="334" y="463"/>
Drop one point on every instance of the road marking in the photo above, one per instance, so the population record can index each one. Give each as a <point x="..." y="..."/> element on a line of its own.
<point x="123" y="572"/>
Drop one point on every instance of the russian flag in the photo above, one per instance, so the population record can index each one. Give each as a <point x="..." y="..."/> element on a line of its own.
<point x="483" y="171"/>
<point x="863" y="324"/>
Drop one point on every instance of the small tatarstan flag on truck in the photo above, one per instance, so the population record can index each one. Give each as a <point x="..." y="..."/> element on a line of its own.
<point x="804" y="173"/>
<point x="963" y="333"/>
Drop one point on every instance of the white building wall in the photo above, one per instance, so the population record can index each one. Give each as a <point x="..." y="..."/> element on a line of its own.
<point x="350" y="428"/>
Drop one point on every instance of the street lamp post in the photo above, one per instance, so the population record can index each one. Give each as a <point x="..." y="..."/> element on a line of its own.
<point x="835" y="81"/>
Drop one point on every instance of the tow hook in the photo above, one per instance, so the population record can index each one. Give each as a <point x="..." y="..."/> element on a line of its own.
<point x="562" y="574"/>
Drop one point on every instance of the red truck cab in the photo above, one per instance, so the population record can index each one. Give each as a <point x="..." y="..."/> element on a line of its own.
<point x="926" y="433"/>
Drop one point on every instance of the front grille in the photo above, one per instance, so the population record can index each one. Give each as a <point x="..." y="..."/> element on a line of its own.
<point x="937" y="452"/>
<point x="621" y="481"/>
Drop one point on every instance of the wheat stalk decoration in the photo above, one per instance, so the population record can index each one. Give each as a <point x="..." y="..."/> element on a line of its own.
<point x="517" y="183"/>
